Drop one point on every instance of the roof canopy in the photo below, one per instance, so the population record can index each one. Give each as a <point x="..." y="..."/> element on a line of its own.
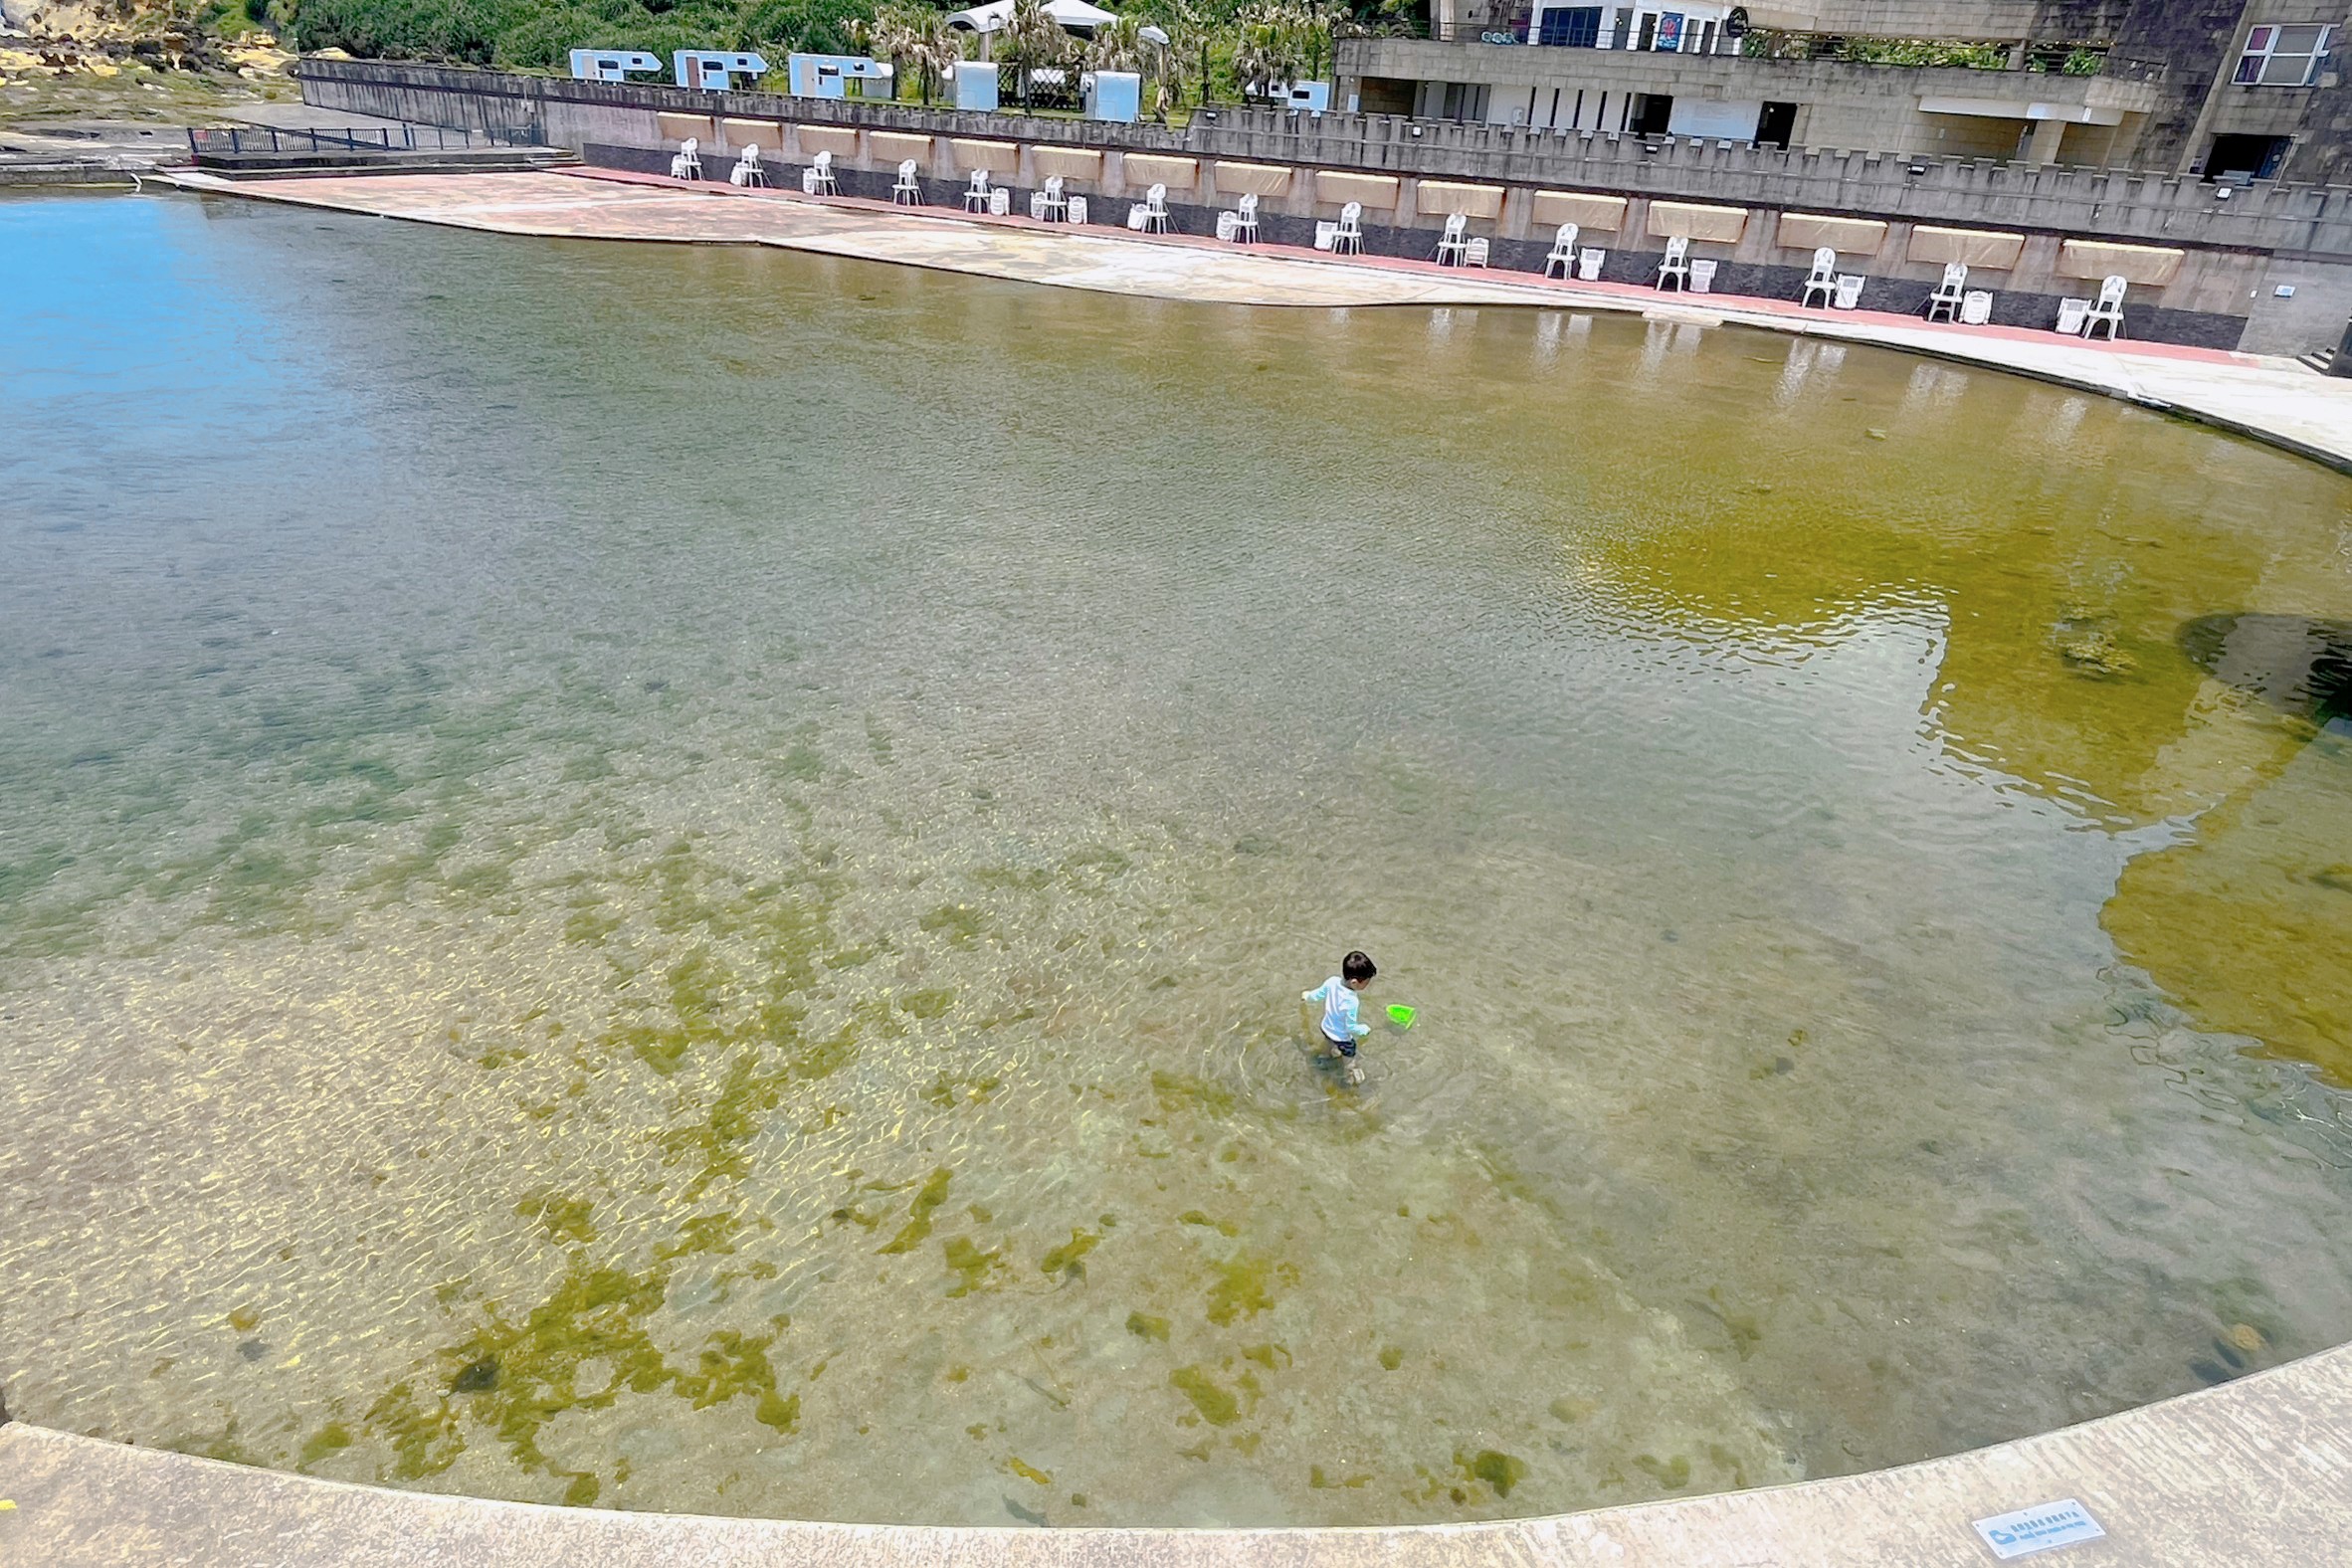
<point x="1074" y="15"/>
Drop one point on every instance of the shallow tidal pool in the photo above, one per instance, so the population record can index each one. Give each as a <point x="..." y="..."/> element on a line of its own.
<point x="678" y="879"/>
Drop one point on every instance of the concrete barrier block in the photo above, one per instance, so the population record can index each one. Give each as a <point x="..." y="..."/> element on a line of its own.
<point x="2153" y="264"/>
<point x="895" y="147"/>
<point x="1373" y="190"/>
<point x="1985" y="248"/>
<point x="1179" y="174"/>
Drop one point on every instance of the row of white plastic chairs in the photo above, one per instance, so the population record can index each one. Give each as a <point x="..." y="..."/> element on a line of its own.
<point x="1952" y="299"/>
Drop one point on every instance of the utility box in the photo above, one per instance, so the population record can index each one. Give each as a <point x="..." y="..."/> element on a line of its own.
<point x="1115" y="96"/>
<point x="834" y="75"/>
<point x="1312" y="97"/>
<point x="975" y="86"/>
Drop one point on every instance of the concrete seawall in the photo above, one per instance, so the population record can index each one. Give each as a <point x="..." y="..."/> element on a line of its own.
<point x="2230" y="257"/>
<point x="2256" y="1474"/>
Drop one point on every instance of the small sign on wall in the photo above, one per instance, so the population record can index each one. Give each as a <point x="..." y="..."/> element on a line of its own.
<point x="2063" y="1523"/>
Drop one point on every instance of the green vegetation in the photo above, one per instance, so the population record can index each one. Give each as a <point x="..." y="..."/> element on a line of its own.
<point x="1216" y="48"/>
<point x="2073" y="59"/>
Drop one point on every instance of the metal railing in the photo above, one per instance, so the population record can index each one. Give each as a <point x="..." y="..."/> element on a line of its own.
<point x="251" y="140"/>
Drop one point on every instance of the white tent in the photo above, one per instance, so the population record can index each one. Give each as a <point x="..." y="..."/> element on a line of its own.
<point x="1076" y="16"/>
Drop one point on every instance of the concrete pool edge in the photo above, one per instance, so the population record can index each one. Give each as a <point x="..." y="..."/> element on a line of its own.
<point x="2255" y="1474"/>
<point x="2279" y="403"/>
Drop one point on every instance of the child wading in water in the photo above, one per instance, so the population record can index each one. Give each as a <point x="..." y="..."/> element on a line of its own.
<point x="1340" y="1025"/>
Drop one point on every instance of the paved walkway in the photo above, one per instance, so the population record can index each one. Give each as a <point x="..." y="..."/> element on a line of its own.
<point x="2275" y="400"/>
<point x="2256" y="1474"/>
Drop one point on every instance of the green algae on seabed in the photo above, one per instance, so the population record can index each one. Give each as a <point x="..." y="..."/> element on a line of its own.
<point x="1181" y="1091"/>
<point x="919" y="1222"/>
<point x="565" y="1219"/>
<point x="1500" y="1471"/>
<point x="1242" y="1285"/>
<point x="1066" y="1261"/>
<point x="1144" y="1326"/>
<point x="966" y="1261"/>
<point x="332" y="1437"/>
<point x="515" y="1378"/>
<point x="1216" y="1406"/>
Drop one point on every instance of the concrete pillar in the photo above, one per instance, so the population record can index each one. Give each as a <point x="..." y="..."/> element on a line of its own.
<point x="2042" y="146"/>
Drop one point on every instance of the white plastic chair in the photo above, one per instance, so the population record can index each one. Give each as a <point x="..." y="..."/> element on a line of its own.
<point x="1326" y="234"/>
<point x="2071" y="315"/>
<point x="747" y="170"/>
<point x="976" y="193"/>
<point x="908" y="192"/>
<point x="2109" y="309"/>
<point x="1849" y="288"/>
<point x="1822" y="279"/>
<point x="1589" y="263"/>
<point x="1155" y="210"/>
<point x="1562" y="258"/>
<point x="1976" y="308"/>
<point x="1077" y="209"/>
<point x="1245" y="221"/>
<point x="1474" y="252"/>
<point x="1055" y="206"/>
<point x="1348" y="238"/>
<point x="1950" y="294"/>
<point x="1453" y="244"/>
<point x="1000" y="201"/>
<point x="824" y="171"/>
<point x="1675" y="269"/>
<point x="688" y="163"/>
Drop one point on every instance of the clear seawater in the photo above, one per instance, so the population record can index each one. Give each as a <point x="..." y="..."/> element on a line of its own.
<point x="680" y="879"/>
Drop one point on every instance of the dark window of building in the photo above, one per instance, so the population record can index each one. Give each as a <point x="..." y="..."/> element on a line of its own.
<point x="1776" y="124"/>
<point x="2256" y="156"/>
<point x="1623" y="36"/>
<point x="1652" y="113"/>
<point x="1649" y="37"/>
<point x="1464" y="101"/>
<point x="1386" y="95"/>
<point x="1575" y="27"/>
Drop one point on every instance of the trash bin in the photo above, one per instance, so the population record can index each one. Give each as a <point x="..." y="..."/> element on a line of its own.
<point x="2341" y="365"/>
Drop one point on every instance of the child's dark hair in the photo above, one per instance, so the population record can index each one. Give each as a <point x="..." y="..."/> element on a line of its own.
<point x="1356" y="966"/>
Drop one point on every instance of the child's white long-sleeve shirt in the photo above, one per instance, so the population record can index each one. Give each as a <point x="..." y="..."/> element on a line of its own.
<point x="1340" y="1025"/>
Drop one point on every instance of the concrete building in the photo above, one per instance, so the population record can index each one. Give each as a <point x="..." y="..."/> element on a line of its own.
<point x="2239" y="88"/>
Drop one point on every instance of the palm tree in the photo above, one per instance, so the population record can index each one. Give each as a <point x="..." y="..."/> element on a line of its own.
<point x="1118" y="44"/>
<point x="1195" y="30"/>
<point x="889" y="36"/>
<point x="1271" y="46"/>
<point x="936" y="49"/>
<point x="1032" y="41"/>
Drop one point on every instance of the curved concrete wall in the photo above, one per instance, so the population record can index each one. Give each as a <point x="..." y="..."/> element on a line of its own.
<point x="2255" y="1473"/>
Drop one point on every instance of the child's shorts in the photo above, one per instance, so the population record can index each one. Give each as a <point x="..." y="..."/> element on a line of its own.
<point x="1346" y="1048"/>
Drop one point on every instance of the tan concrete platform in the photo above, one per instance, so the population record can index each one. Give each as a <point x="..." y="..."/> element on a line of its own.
<point x="2274" y="400"/>
<point x="2256" y="1474"/>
